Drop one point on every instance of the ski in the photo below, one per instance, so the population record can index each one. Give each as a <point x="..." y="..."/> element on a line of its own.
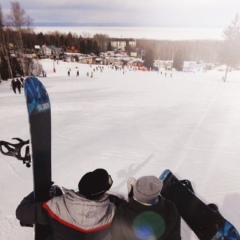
<point x="39" y="113"/>
<point x="204" y="220"/>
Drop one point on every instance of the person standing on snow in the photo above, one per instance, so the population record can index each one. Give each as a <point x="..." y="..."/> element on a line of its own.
<point x="13" y="85"/>
<point x="22" y="81"/>
<point x="147" y="215"/>
<point x="18" y="85"/>
<point x="86" y="214"/>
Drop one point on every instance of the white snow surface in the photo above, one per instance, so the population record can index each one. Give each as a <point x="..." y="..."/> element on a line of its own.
<point x="132" y="124"/>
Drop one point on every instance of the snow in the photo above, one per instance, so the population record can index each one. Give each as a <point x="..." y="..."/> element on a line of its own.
<point x="132" y="124"/>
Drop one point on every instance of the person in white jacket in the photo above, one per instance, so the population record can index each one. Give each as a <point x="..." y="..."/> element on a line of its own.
<point x="86" y="214"/>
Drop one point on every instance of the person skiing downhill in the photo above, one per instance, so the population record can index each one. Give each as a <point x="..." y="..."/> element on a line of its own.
<point x="86" y="214"/>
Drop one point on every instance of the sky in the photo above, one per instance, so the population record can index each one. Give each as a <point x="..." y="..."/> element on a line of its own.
<point x="132" y="124"/>
<point x="151" y="13"/>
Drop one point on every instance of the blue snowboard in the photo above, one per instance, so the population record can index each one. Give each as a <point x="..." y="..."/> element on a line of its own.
<point x="204" y="220"/>
<point x="39" y="113"/>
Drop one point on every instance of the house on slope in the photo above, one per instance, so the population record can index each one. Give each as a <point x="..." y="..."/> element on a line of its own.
<point x="48" y="51"/>
<point x="194" y="67"/>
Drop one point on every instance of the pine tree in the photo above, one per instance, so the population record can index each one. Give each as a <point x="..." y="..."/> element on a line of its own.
<point x="178" y="60"/>
<point x="109" y="46"/>
<point x="4" y="70"/>
<point x="82" y="45"/>
<point x="148" y="59"/>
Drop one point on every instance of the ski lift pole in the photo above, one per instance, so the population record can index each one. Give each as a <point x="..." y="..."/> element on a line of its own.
<point x="54" y="69"/>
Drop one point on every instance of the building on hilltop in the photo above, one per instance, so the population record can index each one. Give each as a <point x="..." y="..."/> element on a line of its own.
<point x="122" y="43"/>
<point x="72" y="49"/>
<point x="48" y="51"/>
<point x="190" y="66"/>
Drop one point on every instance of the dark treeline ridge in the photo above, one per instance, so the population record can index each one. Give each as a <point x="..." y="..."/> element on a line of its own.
<point x="191" y="50"/>
<point x="17" y="39"/>
<point x="177" y="51"/>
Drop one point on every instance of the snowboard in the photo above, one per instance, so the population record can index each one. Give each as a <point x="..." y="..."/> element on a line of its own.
<point x="39" y="114"/>
<point x="204" y="220"/>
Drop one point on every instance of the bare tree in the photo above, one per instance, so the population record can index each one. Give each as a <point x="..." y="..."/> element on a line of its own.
<point x="36" y="68"/>
<point x="20" y="22"/>
<point x="231" y="47"/>
<point x="102" y="40"/>
<point x="3" y="46"/>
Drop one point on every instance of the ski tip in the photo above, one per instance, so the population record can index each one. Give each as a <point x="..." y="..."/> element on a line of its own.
<point x="164" y="174"/>
<point x="36" y="95"/>
<point x="30" y="80"/>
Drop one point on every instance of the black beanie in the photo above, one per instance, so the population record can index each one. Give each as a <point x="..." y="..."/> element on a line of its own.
<point x="94" y="184"/>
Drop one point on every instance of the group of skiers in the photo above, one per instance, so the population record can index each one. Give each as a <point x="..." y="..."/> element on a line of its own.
<point x="69" y="72"/>
<point x="94" y="213"/>
<point x="17" y="84"/>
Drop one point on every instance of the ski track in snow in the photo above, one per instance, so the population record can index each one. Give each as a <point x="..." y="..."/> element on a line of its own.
<point x="188" y="143"/>
<point x="132" y="124"/>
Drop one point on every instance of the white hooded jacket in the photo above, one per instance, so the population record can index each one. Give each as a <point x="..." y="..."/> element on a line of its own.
<point x="80" y="213"/>
<point x="70" y="216"/>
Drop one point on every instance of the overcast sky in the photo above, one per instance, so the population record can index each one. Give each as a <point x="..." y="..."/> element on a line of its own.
<point x="149" y="13"/>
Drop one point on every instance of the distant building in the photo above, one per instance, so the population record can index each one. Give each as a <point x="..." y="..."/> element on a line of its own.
<point x="50" y="51"/>
<point x="166" y="64"/>
<point x="72" y="49"/>
<point x="121" y="43"/>
<point x="192" y="67"/>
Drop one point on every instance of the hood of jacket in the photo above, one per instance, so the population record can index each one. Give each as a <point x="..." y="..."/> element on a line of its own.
<point x="74" y="210"/>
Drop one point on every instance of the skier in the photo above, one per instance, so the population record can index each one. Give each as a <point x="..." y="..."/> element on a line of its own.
<point x="18" y="85"/>
<point x="147" y="215"/>
<point x="13" y="85"/>
<point x="86" y="214"/>
<point x="22" y="81"/>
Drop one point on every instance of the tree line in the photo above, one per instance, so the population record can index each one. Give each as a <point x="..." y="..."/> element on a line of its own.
<point x="16" y="34"/>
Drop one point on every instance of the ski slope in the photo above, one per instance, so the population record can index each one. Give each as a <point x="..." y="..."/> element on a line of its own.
<point x="132" y="124"/>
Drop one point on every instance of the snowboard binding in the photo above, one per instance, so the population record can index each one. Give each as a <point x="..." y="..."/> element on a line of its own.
<point x="187" y="184"/>
<point x="14" y="150"/>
